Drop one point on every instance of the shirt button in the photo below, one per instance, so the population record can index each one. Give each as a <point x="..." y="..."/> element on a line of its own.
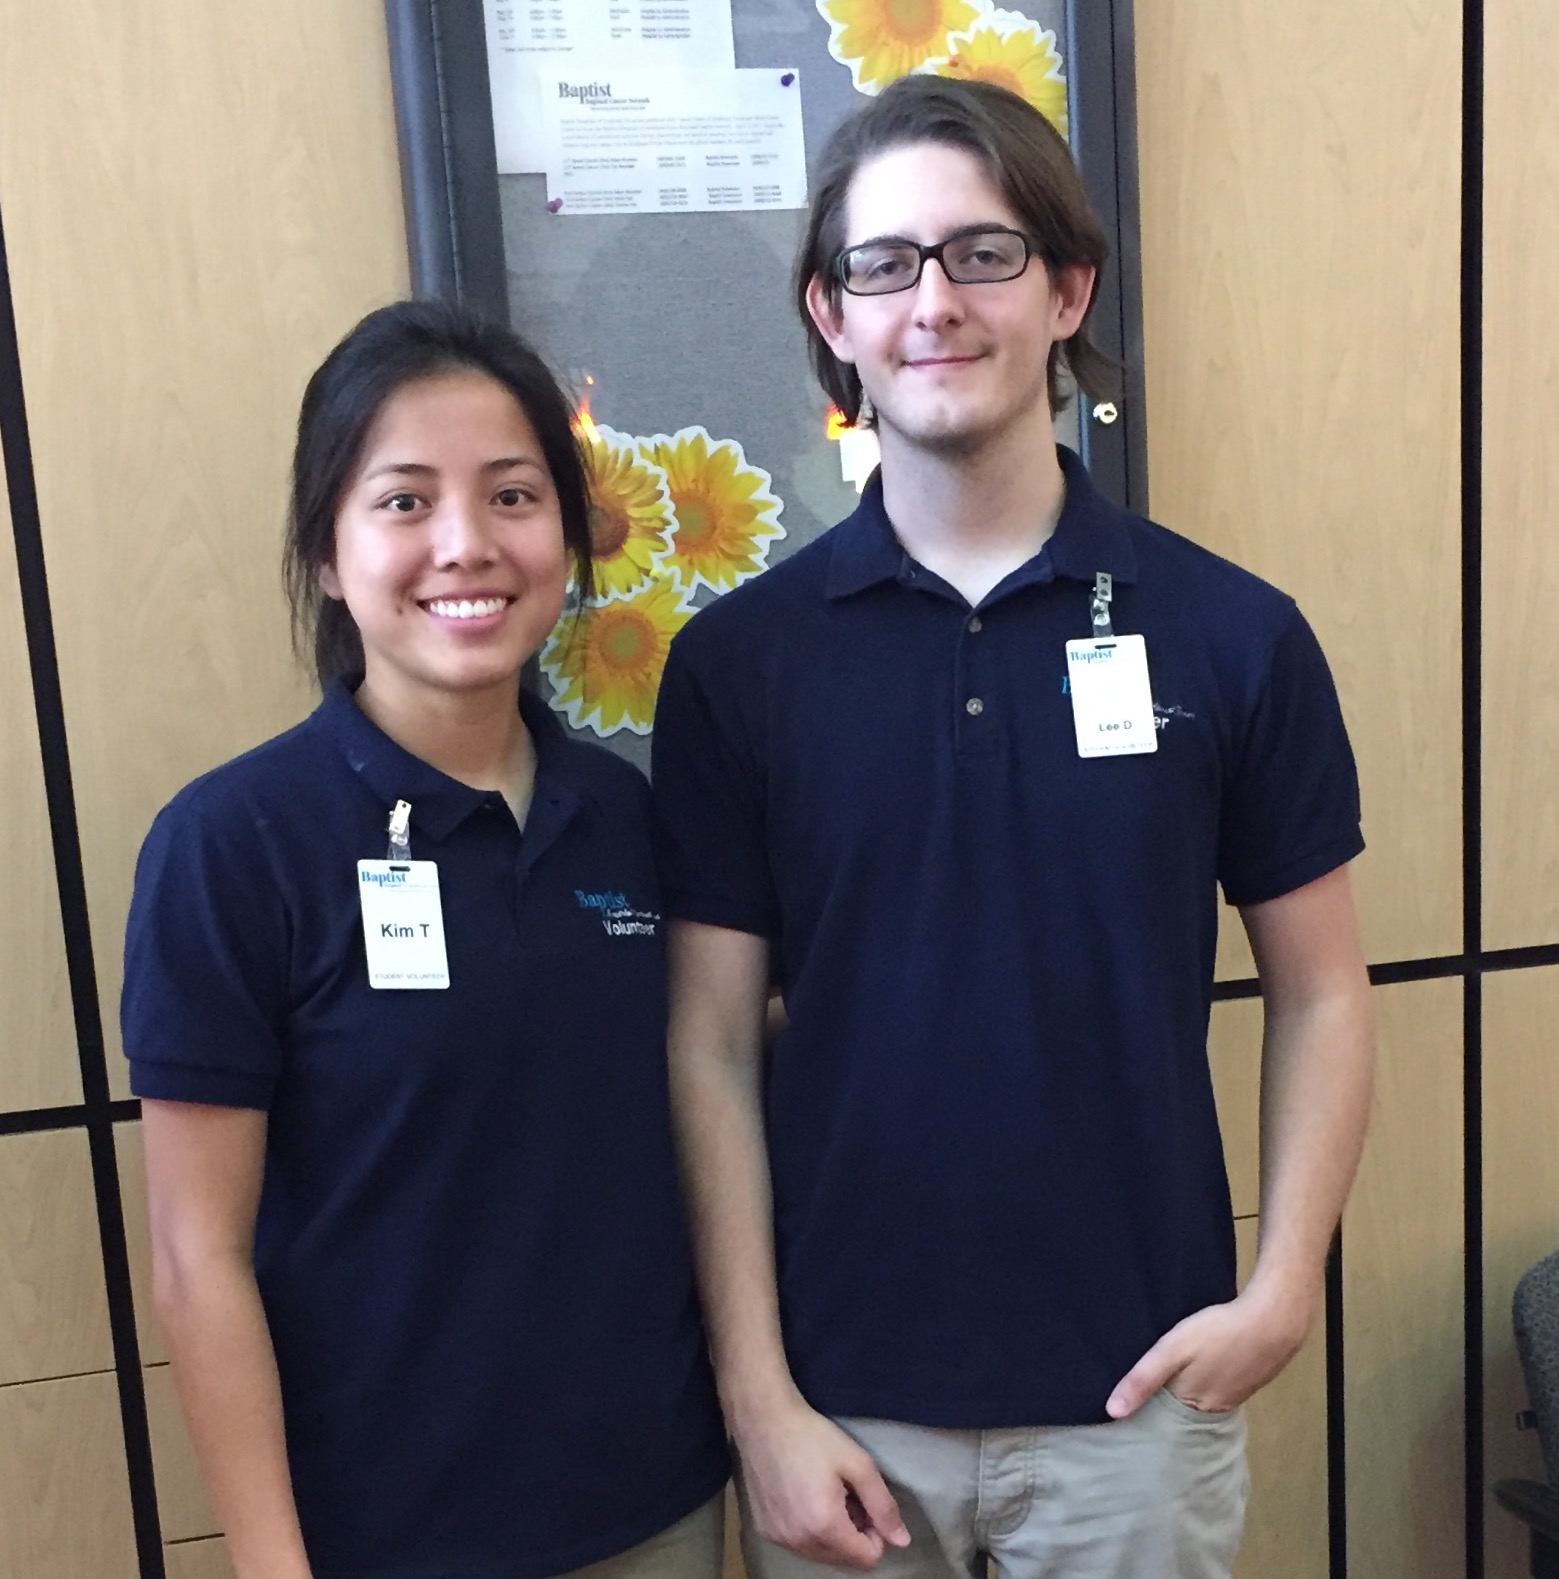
<point x="976" y="623"/>
<point x="974" y="707"/>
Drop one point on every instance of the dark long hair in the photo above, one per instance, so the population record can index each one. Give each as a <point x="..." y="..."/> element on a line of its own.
<point x="390" y="348"/>
<point x="1024" y="155"/>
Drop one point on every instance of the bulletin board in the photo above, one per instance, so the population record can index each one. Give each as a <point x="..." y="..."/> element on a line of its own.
<point x="712" y="449"/>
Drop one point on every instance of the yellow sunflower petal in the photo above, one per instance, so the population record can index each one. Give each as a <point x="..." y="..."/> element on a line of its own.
<point x="882" y="40"/>
<point x="630" y="512"/>
<point x="605" y="667"/>
<point x="1020" y="56"/>
<point x="726" y="516"/>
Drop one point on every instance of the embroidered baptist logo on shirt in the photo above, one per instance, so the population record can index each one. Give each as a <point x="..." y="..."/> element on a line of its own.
<point x="618" y="918"/>
<point x="1161" y="714"/>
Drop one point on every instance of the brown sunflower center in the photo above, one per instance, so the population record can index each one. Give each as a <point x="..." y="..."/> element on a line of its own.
<point x="608" y="531"/>
<point x="1001" y="77"/>
<point x="695" y="523"/>
<point x="627" y="640"/>
<point x="913" y="21"/>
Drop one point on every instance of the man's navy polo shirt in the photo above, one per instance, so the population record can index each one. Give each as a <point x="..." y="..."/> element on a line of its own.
<point x="996" y="1165"/>
<point x="471" y="1244"/>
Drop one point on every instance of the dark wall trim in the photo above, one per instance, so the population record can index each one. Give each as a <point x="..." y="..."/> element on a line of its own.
<point x="97" y="1107"/>
<point x="1472" y="766"/>
<point x="1336" y="1416"/>
<point x="1434" y="968"/>
<point x="32" y="1121"/>
<point x="449" y="170"/>
<point x="1105" y="137"/>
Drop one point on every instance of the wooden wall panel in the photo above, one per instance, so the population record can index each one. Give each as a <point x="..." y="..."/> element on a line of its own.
<point x="1520" y="475"/>
<point x="64" y="1494"/>
<point x="1520" y="712"/>
<point x="1403" y="1280"/>
<point x="1234" y="1053"/>
<point x="39" y="1067"/>
<point x="1286" y="1527"/>
<point x="1300" y="211"/>
<point x="733" y="1566"/>
<point x="1235" y="962"/>
<point x="198" y="1560"/>
<point x="205" y="199"/>
<point x="1520" y="1218"/>
<point x="53" y="1308"/>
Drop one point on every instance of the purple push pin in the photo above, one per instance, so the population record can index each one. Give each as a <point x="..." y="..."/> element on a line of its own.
<point x="787" y="79"/>
<point x="554" y="205"/>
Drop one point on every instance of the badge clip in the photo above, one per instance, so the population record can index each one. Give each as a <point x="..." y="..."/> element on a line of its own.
<point x="400" y="832"/>
<point x="1103" y="592"/>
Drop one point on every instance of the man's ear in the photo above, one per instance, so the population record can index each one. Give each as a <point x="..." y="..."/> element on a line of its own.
<point x="825" y="310"/>
<point x="1070" y="293"/>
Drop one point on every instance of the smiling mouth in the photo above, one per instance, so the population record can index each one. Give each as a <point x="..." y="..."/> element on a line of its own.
<point x="466" y="608"/>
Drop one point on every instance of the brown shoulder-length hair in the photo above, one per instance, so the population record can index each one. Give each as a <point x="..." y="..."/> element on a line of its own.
<point x="390" y="348"/>
<point x="1025" y="156"/>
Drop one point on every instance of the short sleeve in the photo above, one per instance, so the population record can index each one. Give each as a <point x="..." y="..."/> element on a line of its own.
<point x="1291" y="799"/>
<point x="709" y="800"/>
<point x="203" y="1009"/>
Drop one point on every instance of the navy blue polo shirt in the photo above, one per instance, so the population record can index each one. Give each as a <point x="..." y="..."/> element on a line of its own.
<point x="471" y="1246"/>
<point x="996" y="1164"/>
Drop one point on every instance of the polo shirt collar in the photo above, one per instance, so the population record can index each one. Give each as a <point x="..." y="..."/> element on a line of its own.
<point x="1093" y="533"/>
<point x="439" y="803"/>
<point x="1091" y="536"/>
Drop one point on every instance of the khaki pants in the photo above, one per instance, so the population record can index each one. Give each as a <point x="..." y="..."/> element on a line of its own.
<point x="691" y="1549"/>
<point x="1159" y="1496"/>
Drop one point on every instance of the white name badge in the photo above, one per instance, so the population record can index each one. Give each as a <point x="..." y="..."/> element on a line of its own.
<point x="1112" y="699"/>
<point x="403" y="923"/>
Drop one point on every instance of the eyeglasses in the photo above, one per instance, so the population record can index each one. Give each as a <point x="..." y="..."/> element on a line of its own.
<point x="974" y="257"/>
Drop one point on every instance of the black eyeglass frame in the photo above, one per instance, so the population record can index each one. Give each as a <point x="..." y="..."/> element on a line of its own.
<point x="1031" y="250"/>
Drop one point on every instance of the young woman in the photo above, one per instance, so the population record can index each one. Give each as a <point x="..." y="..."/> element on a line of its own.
<point x="394" y="1006"/>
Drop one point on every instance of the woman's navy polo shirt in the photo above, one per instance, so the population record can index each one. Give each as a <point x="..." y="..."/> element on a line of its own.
<point x="471" y="1245"/>
<point x="996" y="1164"/>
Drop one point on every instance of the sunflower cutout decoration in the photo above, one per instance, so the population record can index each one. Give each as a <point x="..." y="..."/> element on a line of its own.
<point x="605" y="665"/>
<point x="630" y="512"/>
<point x="883" y="40"/>
<point x="726" y="515"/>
<point x="1008" y="49"/>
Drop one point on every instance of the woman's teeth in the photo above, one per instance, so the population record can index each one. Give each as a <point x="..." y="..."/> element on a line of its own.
<point x="465" y="608"/>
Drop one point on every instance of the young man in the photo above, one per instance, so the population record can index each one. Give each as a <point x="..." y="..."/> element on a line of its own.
<point x="964" y="1231"/>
